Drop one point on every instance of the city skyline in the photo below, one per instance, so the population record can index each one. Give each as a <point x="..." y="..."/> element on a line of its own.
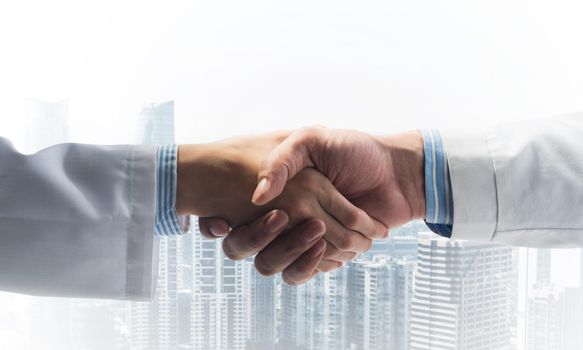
<point x="205" y="301"/>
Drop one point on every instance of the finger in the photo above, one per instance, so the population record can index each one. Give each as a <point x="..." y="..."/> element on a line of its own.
<point x="342" y="238"/>
<point x="304" y="268"/>
<point x="213" y="227"/>
<point x="283" y="163"/>
<point x="350" y="215"/>
<point x="288" y="247"/>
<point x="328" y="265"/>
<point x="335" y="254"/>
<point x="247" y="240"/>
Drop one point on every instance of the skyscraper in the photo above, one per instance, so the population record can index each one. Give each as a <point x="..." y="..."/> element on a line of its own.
<point x="260" y="301"/>
<point x="403" y="272"/>
<point x="66" y="323"/>
<point x="155" y="124"/>
<point x="371" y="307"/>
<point x="571" y="319"/>
<point x="544" y="312"/>
<point x="219" y="318"/>
<point x="402" y="246"/>
<point x="313" y="315"/>
<point x="154" y="325"/>
<point x="461" y="296"/>
<point x="555" y="316"/>
<point x="543" y="266"/>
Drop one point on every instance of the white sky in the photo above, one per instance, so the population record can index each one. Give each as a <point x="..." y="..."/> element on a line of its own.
<point x="249" y="66"/>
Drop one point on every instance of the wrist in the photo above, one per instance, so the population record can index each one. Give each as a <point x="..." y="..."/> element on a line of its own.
<point x="192" y="171"/>
<point x="215" y="180"/>
<point x="406" y="158"/>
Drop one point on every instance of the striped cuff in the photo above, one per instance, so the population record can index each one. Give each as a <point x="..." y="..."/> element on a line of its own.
<point x="167" y="221"/>
<point x="438" y="194"/>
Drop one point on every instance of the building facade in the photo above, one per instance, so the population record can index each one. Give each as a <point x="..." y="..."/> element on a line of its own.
<point x="461" y="296"/>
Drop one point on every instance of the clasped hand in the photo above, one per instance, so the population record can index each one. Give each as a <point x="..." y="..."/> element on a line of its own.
<point x="303" y="201"/>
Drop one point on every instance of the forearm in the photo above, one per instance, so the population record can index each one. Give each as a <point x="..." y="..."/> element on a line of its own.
<point x="77" y="220"/>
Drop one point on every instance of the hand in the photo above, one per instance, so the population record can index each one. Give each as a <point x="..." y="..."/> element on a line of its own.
<point x="218" y="180"/>
<point x="384" y="176"/>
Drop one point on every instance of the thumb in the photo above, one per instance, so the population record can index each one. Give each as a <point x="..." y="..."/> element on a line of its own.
<point x="283" y="163"/>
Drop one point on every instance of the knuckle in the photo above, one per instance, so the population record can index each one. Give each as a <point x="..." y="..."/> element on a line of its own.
<point x="276" y="166"/>
<point x="354" y="218"/>
<point x="230" y="252"/>
<point x="264" y="268"/>
<point x="309" y="133"/>
<point x="347" y="243"/>
<point x="302" y="209"/>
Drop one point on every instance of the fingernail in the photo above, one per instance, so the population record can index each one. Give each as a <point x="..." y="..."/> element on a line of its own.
<point x="317" y="249"/>
<point x="217" y="231"/>
<point x="275" y="222"/>
<point x="262" y="187"/>
<point x="314" y="231"/>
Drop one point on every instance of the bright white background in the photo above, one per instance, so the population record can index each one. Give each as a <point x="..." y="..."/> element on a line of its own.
<point x="250" y="66"/>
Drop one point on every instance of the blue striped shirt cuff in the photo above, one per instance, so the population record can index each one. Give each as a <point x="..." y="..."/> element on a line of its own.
<point x="167" y="221"/>
<point x="438" y="194"/>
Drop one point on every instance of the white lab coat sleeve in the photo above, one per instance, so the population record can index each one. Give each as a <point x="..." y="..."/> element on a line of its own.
<point x="78" y="221"/>
<point x="520" y="184"/>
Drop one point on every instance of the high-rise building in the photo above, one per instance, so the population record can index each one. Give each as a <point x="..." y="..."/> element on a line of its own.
<point x="571" y="319"/>
<point x="403" y="273"/>
<point x="260" y="301"/>
<point x="555" y="316"/>
<point x="185" y="271"/>
<point x="66" y="323"/>
<point x="461" y="296"/>
<point x="295" y="328"/>
<point x="155" y="124"/>
<point x="543" y="314"/>
<point x="543" y="266"/>
<point x="154" y="325"/>
<point x="379" y="247"/>
<point x="313" y="315"/>
<point x="402" y="246"/>
<point x="379" y="299"/>
<point x="371" y="307"/>
<point x="219" y="318"/>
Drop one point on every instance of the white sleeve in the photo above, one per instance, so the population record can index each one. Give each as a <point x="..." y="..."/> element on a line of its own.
<point x="77" y="221"/>
<point x="519" y="183"/>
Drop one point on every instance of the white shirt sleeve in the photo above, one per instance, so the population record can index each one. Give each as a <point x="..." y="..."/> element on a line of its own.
<point x="77" y="221"/>
<point x="519" y="183"/>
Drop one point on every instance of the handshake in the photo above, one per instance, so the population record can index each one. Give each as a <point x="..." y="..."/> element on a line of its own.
<point x="303" y="201"/>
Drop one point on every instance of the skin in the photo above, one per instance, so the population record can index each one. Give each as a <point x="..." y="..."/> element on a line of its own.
<point x="321" y="229"/>
<point x="382" y="175"/>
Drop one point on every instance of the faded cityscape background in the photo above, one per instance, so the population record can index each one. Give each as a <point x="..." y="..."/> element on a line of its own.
<point x="411" y="291"/>
<point x="213" y="69"/>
